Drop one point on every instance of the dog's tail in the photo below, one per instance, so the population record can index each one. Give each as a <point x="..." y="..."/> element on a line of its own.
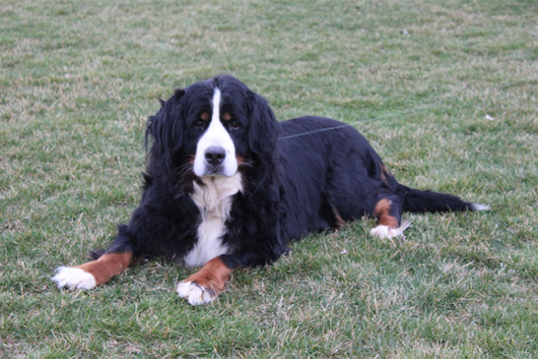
<point x="417" y="201"/>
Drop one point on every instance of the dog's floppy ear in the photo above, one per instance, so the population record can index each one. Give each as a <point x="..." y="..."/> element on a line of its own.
<point x="166" y="130"/>
<point x="264" y="128"/>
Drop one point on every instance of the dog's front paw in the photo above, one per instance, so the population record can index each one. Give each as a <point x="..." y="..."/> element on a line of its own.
<point x="74" y="278"/>
<point x="195" y="293"/>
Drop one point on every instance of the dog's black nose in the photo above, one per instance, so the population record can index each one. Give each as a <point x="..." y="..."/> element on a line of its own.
<point x="215" y="155"/>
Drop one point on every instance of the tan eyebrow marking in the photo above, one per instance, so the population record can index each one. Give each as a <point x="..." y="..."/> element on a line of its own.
<point x="204" y="116"/>
<point x="226" y="116"/>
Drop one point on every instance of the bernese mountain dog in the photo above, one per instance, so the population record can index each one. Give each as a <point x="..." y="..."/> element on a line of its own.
<point x="227" y="186"/>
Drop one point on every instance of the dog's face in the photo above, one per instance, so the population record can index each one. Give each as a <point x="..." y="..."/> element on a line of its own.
<point x="214" y="126"/>
<point x="219" y="129"/>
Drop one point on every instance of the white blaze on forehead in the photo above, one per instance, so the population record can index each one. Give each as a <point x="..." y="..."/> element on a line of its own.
<point x="216" y="135"/>
<point x="216" y="105"/>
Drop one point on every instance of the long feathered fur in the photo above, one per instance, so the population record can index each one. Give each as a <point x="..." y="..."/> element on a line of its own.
<point x="300" y="176"/>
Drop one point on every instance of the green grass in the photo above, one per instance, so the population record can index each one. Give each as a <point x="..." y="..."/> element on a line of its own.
<point x="78" y="80"/>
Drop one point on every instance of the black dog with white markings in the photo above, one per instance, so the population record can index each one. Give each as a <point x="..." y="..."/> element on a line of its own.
<point x="227" y="186"/>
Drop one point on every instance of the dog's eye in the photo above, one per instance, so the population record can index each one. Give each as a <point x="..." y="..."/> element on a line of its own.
<point x="199" y="124"/>
<point x="234" y="124"/>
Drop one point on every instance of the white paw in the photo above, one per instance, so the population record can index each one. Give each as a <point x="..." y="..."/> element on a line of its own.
<point x="383" y="231"/>
<point x="380" y="231"/>
<point x="195" y="293"/>
<point x="73" y="278"/>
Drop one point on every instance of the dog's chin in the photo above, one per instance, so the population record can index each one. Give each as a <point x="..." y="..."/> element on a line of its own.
<point x="215" y="171"/>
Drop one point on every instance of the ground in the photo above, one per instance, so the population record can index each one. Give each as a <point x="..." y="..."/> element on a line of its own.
<point x="445" y="91"/>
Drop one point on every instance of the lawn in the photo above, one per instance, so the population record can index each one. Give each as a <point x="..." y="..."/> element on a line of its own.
<point x="446" y="92"/>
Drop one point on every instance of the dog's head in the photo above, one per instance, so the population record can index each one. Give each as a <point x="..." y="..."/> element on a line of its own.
<point x="213" y="127"/>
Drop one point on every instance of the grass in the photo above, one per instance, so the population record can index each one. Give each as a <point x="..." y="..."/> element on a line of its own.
<point x="445" y="91"/>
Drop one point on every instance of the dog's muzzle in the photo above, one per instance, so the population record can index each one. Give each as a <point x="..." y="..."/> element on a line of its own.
<point x="214" y="157"/>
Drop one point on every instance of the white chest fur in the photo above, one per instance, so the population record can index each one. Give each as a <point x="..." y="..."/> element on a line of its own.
<point x="214" y="200"/>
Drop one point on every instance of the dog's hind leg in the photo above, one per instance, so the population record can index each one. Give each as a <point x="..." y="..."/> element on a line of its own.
<point x="389" y="222"/>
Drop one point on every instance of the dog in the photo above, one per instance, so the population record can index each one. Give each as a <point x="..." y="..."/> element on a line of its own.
<point x="227" y="186"/>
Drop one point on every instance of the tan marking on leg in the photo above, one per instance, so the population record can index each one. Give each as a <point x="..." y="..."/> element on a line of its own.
<point x="382" y="210"/>
<point x="384" y="172"/>
<point x="339" y="221"/>
<point x="213" y="275"/>
<point x="107" y="266"/>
